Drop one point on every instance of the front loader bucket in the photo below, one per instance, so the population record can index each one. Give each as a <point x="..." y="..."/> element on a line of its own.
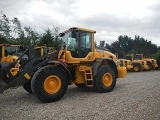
<point x="5" y="73"/>
<point x="3" y="86"/>
<point x="7" y="79"/>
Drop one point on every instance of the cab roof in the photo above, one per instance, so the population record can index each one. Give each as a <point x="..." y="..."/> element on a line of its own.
<point x="78" y="28"/>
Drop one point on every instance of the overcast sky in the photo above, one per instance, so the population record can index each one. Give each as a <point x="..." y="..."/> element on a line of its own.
<point x="110" y="18"/>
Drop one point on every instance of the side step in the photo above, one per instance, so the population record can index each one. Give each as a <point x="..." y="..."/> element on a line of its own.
<point x="89" y="83"/>
<point x="88" y="75"/>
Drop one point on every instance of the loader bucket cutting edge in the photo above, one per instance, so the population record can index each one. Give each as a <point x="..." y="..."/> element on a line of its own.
<point x="3" y="86"/>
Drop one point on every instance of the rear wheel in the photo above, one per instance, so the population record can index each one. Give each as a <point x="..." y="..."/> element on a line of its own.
<point x="136" y="68"/>
<point x="105" y="80"/>
<point x="27" y="87"/>
<point x="49" y="84"/>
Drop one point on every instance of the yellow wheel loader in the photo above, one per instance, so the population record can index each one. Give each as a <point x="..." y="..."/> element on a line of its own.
<point x="79" y="62"/>
<point x="127" y="63"/>
<point x="43" y="50"/>
<point x="10" y="52"/>
<point x="138" y="65"/>
<point x="152" y="63"/>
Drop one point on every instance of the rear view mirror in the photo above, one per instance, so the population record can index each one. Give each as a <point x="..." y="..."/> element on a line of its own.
<point x="74" y="31"/>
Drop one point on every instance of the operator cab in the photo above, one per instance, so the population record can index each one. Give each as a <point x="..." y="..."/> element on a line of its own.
<point x="78" y="41"/>
<point x="139" y="57"/>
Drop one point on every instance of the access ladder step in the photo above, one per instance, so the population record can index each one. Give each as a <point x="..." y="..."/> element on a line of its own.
<point x="89" y="83"/>
<point x="88" y="75"/>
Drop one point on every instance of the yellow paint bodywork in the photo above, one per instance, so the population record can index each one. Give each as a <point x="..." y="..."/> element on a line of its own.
<point x="122" y="72"/>
<point x="79" y="77"/>
<point x="52" y="84"/>
<point x="149" y="60"/>
<point x="42" y="50"/>
<point x="4" y="57"/>
<point x="142" y="62"/>
<point x="127" y="63"/>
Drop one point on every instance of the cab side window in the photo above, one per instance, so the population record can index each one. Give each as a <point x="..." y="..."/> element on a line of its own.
<point x="85" y="46"/>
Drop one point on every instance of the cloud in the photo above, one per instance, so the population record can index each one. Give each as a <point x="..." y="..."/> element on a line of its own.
<point x="110" y="18"/>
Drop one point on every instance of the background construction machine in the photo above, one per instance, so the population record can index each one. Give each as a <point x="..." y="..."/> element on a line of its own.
<point x="152" y="63"/>
<point x="43" y="50"/>
<point x="127" y="63"/>
<point x="138" y="65"/>
<point x="78" y="62"/>
<point x="10" y="52"/>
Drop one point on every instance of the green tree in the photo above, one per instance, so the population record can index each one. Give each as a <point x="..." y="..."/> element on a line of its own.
<point x="157" y="57"/>
<point x="57" y="41"/>
<point x="50" y="38"/>
<point x="108" y="46"/>
<point x="21" y="39"/>
<point x="47" y="38"/>
<point x="3" y="40"/>
<point x="32" y="37"/>
<point x="126" y="43"/>
<point x="5" y="27"/>
<point x="140" y="45"/>
<point x="116" y="48"/>
<point x="10" y="28"/>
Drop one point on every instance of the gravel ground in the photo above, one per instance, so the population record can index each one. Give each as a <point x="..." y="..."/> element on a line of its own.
<point x="135" y="97"/>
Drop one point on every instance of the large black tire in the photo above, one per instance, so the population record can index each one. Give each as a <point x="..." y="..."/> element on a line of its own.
<point x="105" y="80"/>
<point x="150" y="66"/>
<point x="27" y="87"/>
<point x="49" y="84"/>
<point x="158" y="62"/>
<point x="136" y="68"/>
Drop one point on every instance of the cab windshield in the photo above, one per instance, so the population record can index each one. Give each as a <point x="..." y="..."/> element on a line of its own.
<point x="77" y="42"/>
<point x="69" y="41"/>
<point x="10" y="50"/>
<point x="138" y="57"/>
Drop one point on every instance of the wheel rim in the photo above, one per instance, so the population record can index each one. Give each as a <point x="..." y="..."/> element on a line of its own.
<point x="52" y="84"/>
<point x="107" y="79"/>
<point x="136" y="68"/>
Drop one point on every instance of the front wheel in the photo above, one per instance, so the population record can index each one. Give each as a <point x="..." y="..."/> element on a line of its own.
<point x="49" y="84"/>
<point x="105" y="80"/>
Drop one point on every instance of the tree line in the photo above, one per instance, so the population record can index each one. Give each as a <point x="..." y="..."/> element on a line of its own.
<point x="126" y="45"/>
<point x="11" y="31"/>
